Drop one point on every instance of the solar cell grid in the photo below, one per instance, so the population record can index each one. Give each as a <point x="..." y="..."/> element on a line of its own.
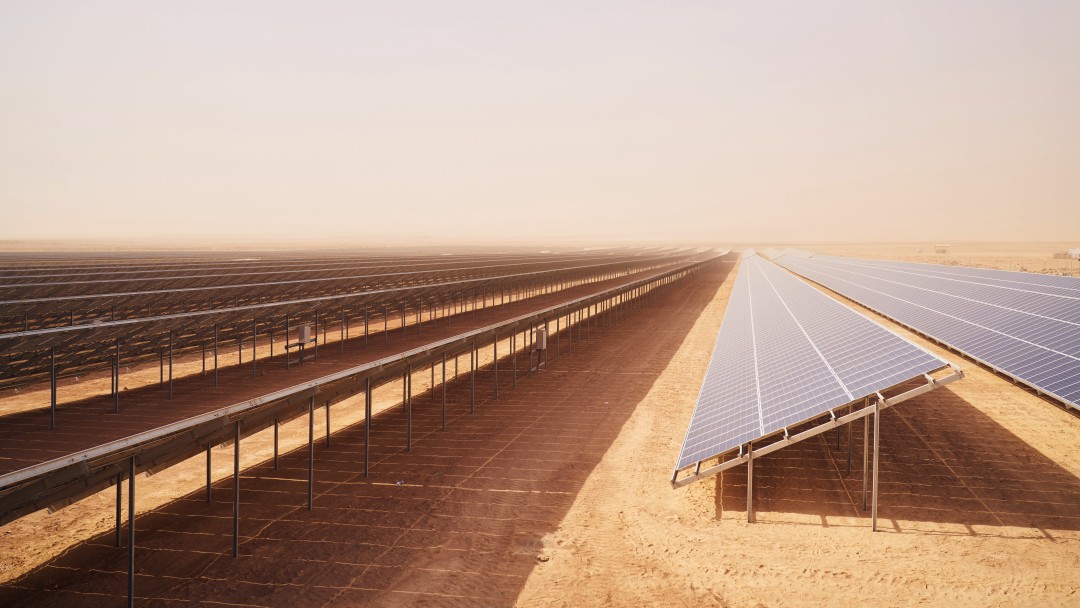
<point x="785" y="354"/>
<point x="1027" y="326"/>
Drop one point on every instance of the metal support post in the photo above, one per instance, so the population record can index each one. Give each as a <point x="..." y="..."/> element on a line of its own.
<point x="311" y="452"/>
<point x="367" y="426"/>
<point x="408" y="408"/>
<point x="209" y="476"/>
<point x="444" y="391"/>
<point x="865" y="454"/>
<point x="119" y="503"/>
<point x="877" y="449"/>
<point x="558" y="336"/>
<point x="52" y="387"/>
<point x="236" y="490"/>
<point x="750" y="482"/>
<point x="131" y="531"/>
<point x="216" y="349"/>
<point x="275" y="443"/>
<point x="850" y="410"/>
<point x="170" y="364"/>
<point x="116" y="395"/>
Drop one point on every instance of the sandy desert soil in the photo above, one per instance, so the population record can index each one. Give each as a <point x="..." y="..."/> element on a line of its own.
<point x="980" y="500"/>
<point x="559" y="496"/>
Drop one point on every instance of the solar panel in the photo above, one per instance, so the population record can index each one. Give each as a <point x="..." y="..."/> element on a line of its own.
<point x="1022" y="324"/>
<point x="785" y="354"/>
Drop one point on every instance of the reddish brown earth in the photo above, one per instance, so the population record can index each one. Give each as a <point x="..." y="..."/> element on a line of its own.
<point x="459" y="521"/>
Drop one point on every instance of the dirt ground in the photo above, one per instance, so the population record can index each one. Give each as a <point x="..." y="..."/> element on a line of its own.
<point x="980" y="506"/>
<point x="559" y="495"/>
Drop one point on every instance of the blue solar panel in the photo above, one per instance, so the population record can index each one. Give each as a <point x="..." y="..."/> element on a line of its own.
<point x="785" y="354"/>
<point x="1023" y="324"/>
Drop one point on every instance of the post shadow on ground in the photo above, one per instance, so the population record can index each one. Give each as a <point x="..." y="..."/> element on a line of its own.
<point x="458" y="520"/>
<point x="942" y="461"/>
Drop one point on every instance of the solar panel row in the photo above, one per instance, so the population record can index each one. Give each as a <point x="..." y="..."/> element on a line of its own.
<point x="1022" y="324"/>
<point x="787" y="353"/>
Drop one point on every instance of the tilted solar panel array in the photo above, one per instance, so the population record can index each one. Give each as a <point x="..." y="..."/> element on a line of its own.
<point x="785" y="354"/>
<point x="1023" y="324"/>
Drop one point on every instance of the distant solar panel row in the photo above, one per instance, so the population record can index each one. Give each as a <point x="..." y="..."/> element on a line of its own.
<point x="787" y="353"/>
<point x="1023" y="324"/>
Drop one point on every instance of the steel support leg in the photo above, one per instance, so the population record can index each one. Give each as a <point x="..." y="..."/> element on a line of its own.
<point x="209" y="476"/>
<point x="275" y="443"/>
<point x="367" y="427"/>
<point x="236" y="490"/>
<point x="750" y="483"/>
<point x="311" y="452"/>
<point x="444" y="391"/>
<point x="131" y="531"/>
<point x="116" y="395"/>
<point x="216" y="349"/>
<point x="850" y="410"/>
<point x="472" y="378"/>
<point x="408" y="408"/>
<point x="877" y="449"/>
<point x="865" y="456"/>
<point x="119" y="504"/>
<point x="52" y="387"/>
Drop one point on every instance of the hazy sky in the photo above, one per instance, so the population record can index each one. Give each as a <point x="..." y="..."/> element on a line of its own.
<point x="681" y="121"/>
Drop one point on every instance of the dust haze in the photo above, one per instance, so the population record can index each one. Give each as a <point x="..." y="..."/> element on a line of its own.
<point x="254" y="123"/>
